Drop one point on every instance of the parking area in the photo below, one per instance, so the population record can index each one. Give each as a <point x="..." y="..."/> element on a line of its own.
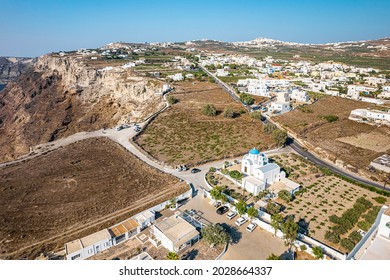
<point x="256" y="245"/>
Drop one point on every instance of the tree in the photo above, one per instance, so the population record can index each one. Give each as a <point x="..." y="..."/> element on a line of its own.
<point x="241" y="207"/>
<point x="171" y="99"/>
<point x="273" y="208"/>
<point x="173" y="201"/>
<point x="216" y="193"/>
<point x="285" y="195"/>
<point x="280" y="137"/>
<point x="247" y="99"/>
<point x="252" y="212"/>
<point x="269" y="128"/>
<point x="318" y="253"/>
<point x="257" y="115"/>
<point x="228" y="112"/>
<point x="209" y="110"/>
<point x="212" y="169"/>
<point x="172" y="256"/>
<point x="276" y="220"/>
<point x="273" y="257"/>
<point x="215" y="234"/>
<point x="290" y="232"/>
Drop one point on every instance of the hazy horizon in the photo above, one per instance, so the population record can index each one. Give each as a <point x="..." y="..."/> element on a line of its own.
<point x="32" y="28"/>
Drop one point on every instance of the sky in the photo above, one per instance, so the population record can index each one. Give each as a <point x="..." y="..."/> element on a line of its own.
<point x="35" y="27"/>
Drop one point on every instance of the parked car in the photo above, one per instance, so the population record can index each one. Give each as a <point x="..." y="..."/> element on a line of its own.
<point x="231" y="215"/>
<point x="217" y="204"/>
<point x="251" y="227"/>
<point x="195" y="170"/>
<point x="222" y="210"/>
<point x="240" y="221"/>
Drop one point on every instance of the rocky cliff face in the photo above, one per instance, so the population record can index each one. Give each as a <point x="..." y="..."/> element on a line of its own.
<point x="61" y="96"/>
<point x="12" y="67"/>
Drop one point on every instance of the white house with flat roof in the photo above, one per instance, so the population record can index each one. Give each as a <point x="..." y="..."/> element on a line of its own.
<point x="174" y="233"/>
<point x="374" y="116"/>
<point x="300" y="96"/>
<point x="88" y="246"/>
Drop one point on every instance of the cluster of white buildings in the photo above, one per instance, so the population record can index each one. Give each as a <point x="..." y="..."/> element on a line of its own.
<point x="370" y="116"/>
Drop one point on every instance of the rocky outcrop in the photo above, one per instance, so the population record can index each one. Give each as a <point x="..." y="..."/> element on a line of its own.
<point x="62" y="95"/>
<point x="12" y="67"/>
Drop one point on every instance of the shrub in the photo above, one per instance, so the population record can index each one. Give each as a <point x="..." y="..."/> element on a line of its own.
<point x="364" y="225"/>
<point x="303" y="247"/>
<point x="212" y="169"/>
<point x="330" y="118"/>
<point x="380" y="199"/>
<point x="172" y="100"/>
<point x="257" y="115"/>
<point x="269" y="128"/>
<point x="228" y="112"/>
<point x="285" y="195"/>
<point x="332" y="237"/>
<point x="209" y="110"/>
<point x="355" y="237"/>
<point x="318" y="253"/>
<point x="347" y="244"/>
<point x="235" y="174"/>
<point x="247" y="99"/>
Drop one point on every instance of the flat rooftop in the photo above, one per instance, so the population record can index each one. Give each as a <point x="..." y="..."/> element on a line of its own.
<point x="378" y="250"/>
<point x="176" y="228"/>
<point x="253" y="180"/>
<point x="95" y="237"/>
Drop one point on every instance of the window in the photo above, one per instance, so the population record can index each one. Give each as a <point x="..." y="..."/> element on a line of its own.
<point x="90" y="251"/>
<point x="106" y="244"/>
<point x="388" y="224"/>
<point x="75" y="257"/>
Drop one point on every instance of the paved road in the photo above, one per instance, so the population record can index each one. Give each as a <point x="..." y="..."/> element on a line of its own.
<point x="303" y="152"/>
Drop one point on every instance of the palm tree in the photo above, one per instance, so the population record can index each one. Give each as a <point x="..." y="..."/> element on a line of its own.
<point x="252" y="212"/>
<point x="172" y="256"/>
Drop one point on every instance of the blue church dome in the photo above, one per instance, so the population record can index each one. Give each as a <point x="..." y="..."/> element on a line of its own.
<point x="254" y="151"/>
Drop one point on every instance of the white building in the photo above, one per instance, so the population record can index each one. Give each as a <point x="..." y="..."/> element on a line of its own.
<point x="365" y="115"/>
<point x="259" y="173"/>
<point x="258" y="87"/>
<point x="124" y="230"/>
<point x="88" y="246"/>
<point x="300" y="96"/>
<point x="145" y="219"/>
<point x="174" y="233"/>
<point x="222" y="73"/>
<point x="176" y="77"/>
<point x="281" y="105"/>
<point x="382" y="163"/>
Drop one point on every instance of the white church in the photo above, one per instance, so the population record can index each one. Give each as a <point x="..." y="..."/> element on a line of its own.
<point x="259" y="174"/>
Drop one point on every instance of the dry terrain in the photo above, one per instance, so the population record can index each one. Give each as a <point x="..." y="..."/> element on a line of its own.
<point x="75" y="191"/>
<point x="354" y="143"/>
<point x="324" y="196"/>
<point x="183" y="135"/>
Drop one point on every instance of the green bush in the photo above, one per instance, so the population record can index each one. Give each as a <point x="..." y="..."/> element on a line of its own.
<point x="330" y="118"/>
<point x="228" y="112"/>
<point x="172" y="100"/>
<point x="355" y="237"/>
<point x="285" y="195"/>
<point x="380" y="199"/>
<point x="247" y="99"/>
<point x="269" y="128"/>
<point x="364" y="225"/>
<point x="347" y="244"/>
<point x="209" y="110"/>
<point x="257" y="115"/>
